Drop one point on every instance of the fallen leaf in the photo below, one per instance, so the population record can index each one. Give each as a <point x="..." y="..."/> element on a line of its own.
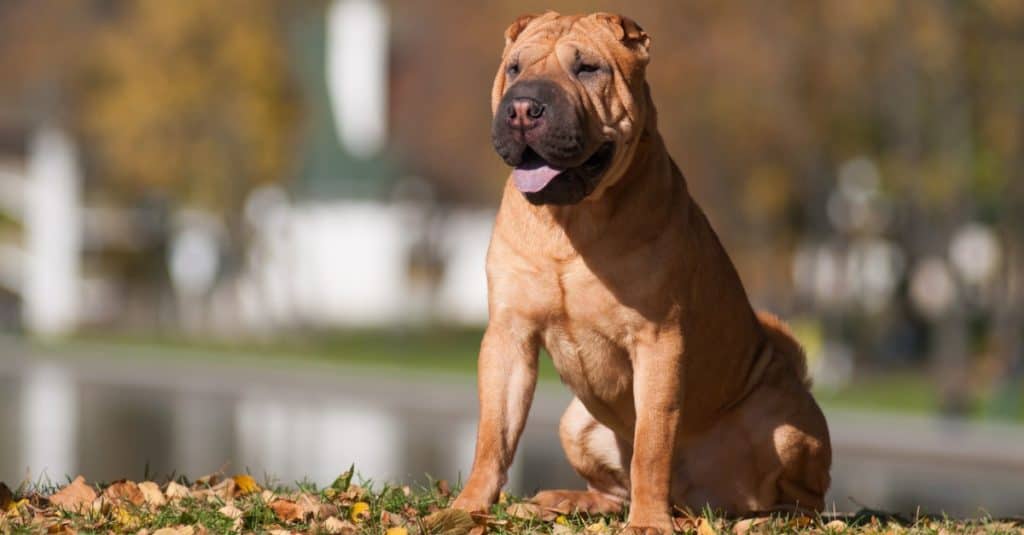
<point x="176" y="530"/>
<point x="74" y="497"/>
<point x="743" y="526"/>
<point x="176" y="491"/>
<point x="561" y="519"/>
<point x="151" y="494"/>
<point x="444" y="488"/>
<point x="125" y="519"/>
<point x="598" y="527"/>
<point x="705" y="528"/>
<point x="222" y="491"/>
<point x="245" y="484"/>
<point x="526" y="511"/>
<point x="230" y="511"/>
<point x="836" y="525"/>
<point x="360" y="511"/>
<point x="335" y="526"/>
<point x="208" y="480"/>
<point x="6" y="498"/>
<point x="125" y="491"/>
<point x="561" y="529"/>
<point x="684" y="524"/>
<point x="309" y="505"/>
<point x="286" y="510"/>
<point x="448" y="522"/>
<point x="397" y="531"/>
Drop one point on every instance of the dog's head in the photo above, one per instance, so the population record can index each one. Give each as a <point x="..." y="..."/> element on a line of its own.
<point x="570" y="102"/>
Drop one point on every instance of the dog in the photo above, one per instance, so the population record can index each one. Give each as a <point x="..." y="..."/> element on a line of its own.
<point x="684" y="395"/>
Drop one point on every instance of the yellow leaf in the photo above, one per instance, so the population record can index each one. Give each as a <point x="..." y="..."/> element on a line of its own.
<point x="560" y="519"/>
<point x="360" y="511"/>
<point x="397" y="531"/>
<point x="245" y="484"/>
<point x="124" y="519"/>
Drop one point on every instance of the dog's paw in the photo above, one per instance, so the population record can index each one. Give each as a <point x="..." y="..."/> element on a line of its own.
<point x="577" y="501"/>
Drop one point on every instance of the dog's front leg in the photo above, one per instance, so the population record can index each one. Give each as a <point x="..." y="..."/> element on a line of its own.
<point x="506" y="379"/>
<point x="657" y="380"/>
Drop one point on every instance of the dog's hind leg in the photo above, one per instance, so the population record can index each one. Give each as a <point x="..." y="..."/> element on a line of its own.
<point x="599" y="457"/>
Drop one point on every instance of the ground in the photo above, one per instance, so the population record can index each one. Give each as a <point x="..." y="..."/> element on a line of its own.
<point x="238" y="504"/>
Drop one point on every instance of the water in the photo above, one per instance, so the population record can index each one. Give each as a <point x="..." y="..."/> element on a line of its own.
<point x="148" y="416"/>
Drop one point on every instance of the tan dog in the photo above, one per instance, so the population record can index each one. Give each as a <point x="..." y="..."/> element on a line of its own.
<point x="684" y="395"/>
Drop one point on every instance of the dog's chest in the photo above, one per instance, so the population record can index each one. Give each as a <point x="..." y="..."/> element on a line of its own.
<point x="588" y="334"/>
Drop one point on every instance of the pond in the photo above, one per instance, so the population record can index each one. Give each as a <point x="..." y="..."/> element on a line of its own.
<point x="109" y="415"/>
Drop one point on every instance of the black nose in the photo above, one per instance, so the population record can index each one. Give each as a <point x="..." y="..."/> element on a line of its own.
<point x="523" y="113"/>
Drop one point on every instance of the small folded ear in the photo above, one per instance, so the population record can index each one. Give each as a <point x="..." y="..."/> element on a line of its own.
<point x="628" y="31"/>
<point x="517" y="27"/>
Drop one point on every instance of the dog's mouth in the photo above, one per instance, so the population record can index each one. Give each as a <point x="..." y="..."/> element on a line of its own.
<point x="534" y="176"/>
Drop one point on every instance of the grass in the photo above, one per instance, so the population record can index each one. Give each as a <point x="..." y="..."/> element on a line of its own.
<point x="238" y="504"/>
<point x="454" y="351"/>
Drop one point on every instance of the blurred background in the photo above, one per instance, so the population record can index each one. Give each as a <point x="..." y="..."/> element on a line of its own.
<point x="249" y="234"/>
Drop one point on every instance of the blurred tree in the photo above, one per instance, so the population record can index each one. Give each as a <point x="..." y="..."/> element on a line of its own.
<point x="192" y="99"/>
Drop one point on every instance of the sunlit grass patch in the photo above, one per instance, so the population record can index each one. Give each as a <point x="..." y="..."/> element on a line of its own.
<point x="220" y="504"/>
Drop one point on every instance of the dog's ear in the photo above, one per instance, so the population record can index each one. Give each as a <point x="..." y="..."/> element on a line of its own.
<point x="517" y="27"/>
<point x="628" y="32"/>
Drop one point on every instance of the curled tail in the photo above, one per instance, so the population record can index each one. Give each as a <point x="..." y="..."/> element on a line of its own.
<point x="785" y="345"/>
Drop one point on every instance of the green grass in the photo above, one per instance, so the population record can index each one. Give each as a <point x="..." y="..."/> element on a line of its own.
<point x="454" y="351"/>
<point x="225" y="506"/>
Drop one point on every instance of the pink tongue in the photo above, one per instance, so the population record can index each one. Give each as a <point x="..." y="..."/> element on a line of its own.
<point x="532" y="177"/>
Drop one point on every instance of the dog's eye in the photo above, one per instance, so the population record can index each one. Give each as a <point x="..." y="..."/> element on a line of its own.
<point x="583" y="69"/>
<point x="512" y="70"/>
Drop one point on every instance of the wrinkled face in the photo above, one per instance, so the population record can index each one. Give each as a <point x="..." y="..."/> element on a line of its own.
<point x="569" y="103"/>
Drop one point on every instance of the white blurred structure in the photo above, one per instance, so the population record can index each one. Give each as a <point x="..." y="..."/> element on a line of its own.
<point x="357" y="49"/>
<point x="53" y="225"/>
<point x="347" y="263"/>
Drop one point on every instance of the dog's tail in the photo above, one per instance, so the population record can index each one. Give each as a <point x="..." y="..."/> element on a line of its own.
<point x="785" y="344"/>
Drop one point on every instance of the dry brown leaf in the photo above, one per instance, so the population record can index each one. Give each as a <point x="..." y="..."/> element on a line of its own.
<point x="480" y="529"/>
<point x="6" y="497"/>
<point x="335" y="525"/>
<point x="230" y="511"/>
<point x="561" y="529"/>
<point x="125" y="491"/>
<point x="742" y="527"/>
<point x="233" y="513"/>
<point x="280" y="532"/>
<point x="74" y="497"/>
<point x="176" y="530"/>
<point x="223" y="491"/>
<point x="449" y="522"/>
<point x="444" y="488"/>
<point x="176" y="491"/>
<point x="705" y="528"/>
<point x="287" y="510"/>
<point x="526" y="511"/>
<point x="836" y="525"/>
<point x="309" y="504"/>
<point x="151" y="494"/>
<point x="208" y="480"/>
